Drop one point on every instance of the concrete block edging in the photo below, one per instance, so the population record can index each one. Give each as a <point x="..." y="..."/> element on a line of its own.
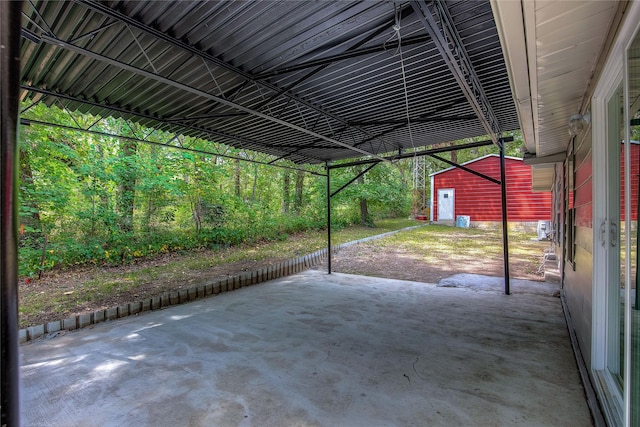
<point x="282" y="269"/>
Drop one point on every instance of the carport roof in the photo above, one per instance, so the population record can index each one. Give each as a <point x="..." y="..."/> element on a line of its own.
<point x="305" y="81"/>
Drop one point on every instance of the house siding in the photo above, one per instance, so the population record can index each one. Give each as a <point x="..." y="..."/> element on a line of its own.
<point x="578" y="276"/>
<point x="481" y="200"/>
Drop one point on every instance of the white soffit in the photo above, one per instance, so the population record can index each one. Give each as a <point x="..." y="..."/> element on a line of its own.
<point x="563" y="41"/>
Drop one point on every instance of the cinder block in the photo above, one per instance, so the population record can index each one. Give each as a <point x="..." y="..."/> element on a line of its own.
<point x="146" y="304"/>
<point x="84" y="320"/>
<point x="135" y="307"/>
<point x="111" y="313"/>
<point x="99" y="316"/>
<point x="224" y="285"/>
<point x="174" y="298"/>
<point x="155" y="303"/>
<point x="35" y="331"/>
<point x="183" y="295"/>
<point x="216" y="288"/>
<point x="201" y="291"/>
<point x="70" y="324"/>
<point x="53" y="327"/>
<point x="277" y="271"/>
<point x="123" y="310"/>
<point x="22" y="336"/>
<point x="208" y="289"/>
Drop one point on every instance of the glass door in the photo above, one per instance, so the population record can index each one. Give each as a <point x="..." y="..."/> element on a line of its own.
<point x="615" y="239"/>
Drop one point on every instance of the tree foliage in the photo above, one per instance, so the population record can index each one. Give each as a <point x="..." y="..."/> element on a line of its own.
<point x="99" y="199"/>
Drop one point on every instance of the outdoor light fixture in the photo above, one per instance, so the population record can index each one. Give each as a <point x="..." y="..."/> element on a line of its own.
<point x="578" y="123"/>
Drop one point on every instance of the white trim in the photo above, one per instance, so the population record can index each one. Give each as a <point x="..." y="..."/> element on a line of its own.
<point x="431" y="200"/>
<point x="475" y="160"/>
<point x="605" y="384"/>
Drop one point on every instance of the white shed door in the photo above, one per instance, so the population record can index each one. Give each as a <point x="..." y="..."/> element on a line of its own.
<point x="445" y="204"/>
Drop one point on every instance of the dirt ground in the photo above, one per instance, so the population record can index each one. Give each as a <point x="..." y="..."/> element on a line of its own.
<point x="398" y="263"/>
<point x="372" y="260"/>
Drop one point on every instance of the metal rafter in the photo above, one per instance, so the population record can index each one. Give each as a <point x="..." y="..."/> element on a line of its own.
<point x="170" y="122"/>
<point x="113" y="14"/>
<point x="454" y="54"/>
<point x="420" y="153"/>
<point x="167" y="144"/>
<point x="196" y="91"/>
<point x="346" y="55"/>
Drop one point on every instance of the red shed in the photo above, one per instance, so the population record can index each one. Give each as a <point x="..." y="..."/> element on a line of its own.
<point x="456" y="192"/>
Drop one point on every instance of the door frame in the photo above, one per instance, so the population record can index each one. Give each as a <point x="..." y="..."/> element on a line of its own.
<point x="610" y="395"/>
<point x="453" y="204"/>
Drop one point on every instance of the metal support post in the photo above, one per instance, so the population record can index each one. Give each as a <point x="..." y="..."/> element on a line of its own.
<point x="10" y="17"/>
<point x="328" y="219"/>
<point x="505" y="235"/>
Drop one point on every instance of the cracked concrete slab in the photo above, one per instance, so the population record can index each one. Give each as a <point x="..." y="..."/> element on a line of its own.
<point x="316" y="350"/>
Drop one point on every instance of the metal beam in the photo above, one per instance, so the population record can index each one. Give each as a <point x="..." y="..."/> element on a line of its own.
<point x="434" y="111"/>
<point x="505" y="227"/>
<point x="409" y="41"/>
<point x="404" y="13"/>
<point x="420" y="153"/>
<point x="453" y="52"/>
<point x="10" y="17"/>
<point x="29" y="122"/>
<point x="353" y="179"/>
<point x="190" y="89"/>
<point x="328" y="169"/>
<point x="415" y="120"/>
<point x="113" y="14"/>
<point x="466" y="169"/>
<point x="170" y="122"/>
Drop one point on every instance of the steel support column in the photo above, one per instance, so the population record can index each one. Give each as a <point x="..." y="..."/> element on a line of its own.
<point x="10" y="17"/>
<point x="328" y="219"/>
<point x="505" y="235"/>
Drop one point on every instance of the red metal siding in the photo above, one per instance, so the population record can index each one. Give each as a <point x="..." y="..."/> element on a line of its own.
<point x="583" y="187"/>
<point x="635" y="171"/>
<point x="481" y="200"/>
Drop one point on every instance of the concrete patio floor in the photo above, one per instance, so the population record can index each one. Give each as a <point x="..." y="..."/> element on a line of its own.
<point x="318" y="350"/>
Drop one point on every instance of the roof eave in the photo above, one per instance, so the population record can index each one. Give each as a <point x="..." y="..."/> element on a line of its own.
<point x="511" y="26"/>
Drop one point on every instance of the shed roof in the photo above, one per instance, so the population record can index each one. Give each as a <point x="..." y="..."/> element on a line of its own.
<point x="305" y="81"/>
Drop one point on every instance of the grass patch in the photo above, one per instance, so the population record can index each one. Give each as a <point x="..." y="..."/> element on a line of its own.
<point x="106" y="286"/>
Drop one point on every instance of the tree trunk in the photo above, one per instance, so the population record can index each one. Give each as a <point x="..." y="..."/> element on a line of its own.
<point x="286" y="190"/>
<point x="126" y="185"/>
<point x="30" y="224"/>
<point x="364" y="213"/>
<point x="255" y="182"/>
<point x="238" y="190"/>
<point x="297" y="204"/>
<point x="365" y="220"/>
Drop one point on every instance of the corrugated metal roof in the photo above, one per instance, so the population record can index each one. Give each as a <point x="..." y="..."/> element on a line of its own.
<point x="303" y="80"/>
